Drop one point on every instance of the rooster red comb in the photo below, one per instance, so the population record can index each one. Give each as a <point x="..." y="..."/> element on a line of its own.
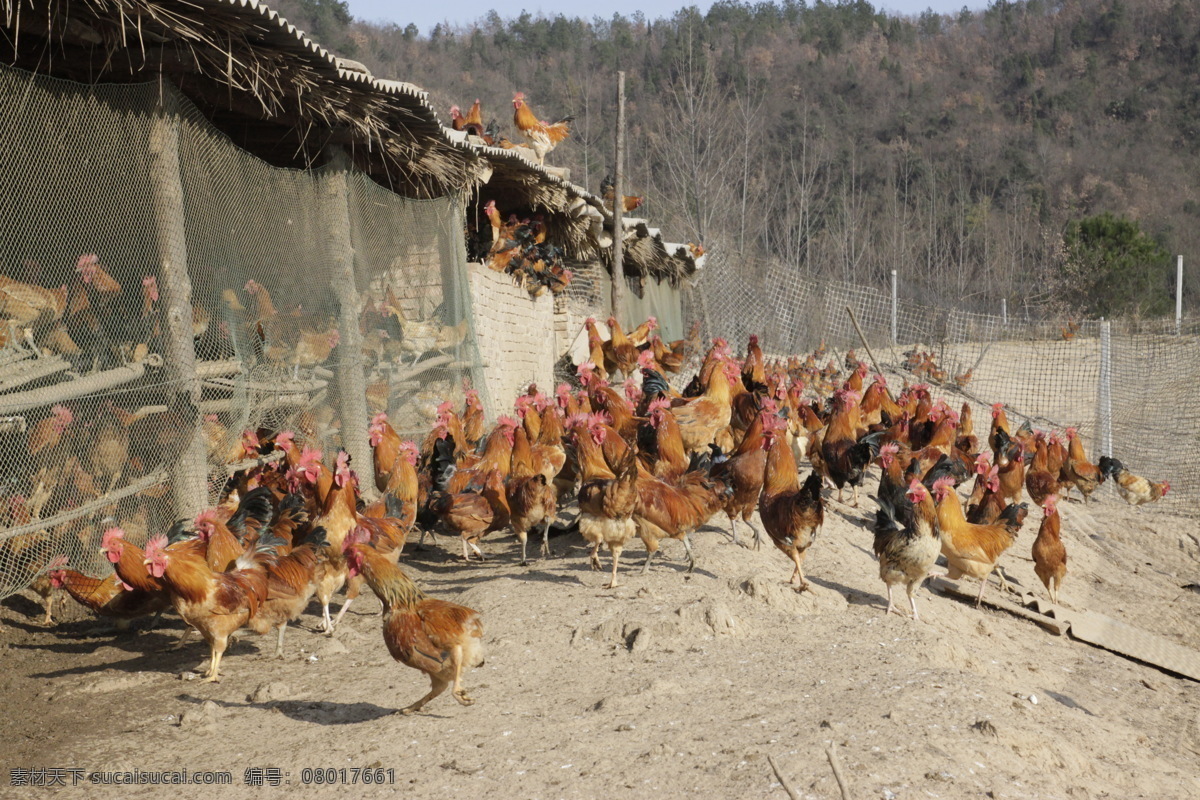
<point x="943" y="486"/>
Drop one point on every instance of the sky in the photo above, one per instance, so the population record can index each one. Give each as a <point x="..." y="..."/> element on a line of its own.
<point x="428" y="14"/>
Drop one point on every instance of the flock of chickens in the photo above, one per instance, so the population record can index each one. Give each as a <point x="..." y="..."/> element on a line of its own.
<point x="640" y="459"/>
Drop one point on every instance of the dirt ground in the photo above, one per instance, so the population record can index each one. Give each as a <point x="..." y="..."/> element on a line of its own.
<point x="669" y="686"/>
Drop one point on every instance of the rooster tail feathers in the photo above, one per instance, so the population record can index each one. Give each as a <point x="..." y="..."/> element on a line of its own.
<point x="627" y="465"/>
<point x="885" y="516"/>
<point x="812" y="486"/>
<point x="316" y="537"/>
<point x="268" y="542"/>
<point x="257" y="505"/>
<point x="442" y="467"/>
<point x="1013" y="517"/>
<point x="1109" y="467"/>
<point x="179" y="531"/>
<point x="871" y="440"/>
<point x="393" y="505"/>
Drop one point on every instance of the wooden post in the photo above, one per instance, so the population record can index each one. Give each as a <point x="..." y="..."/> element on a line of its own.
<point x="895" y="296"/>
<point x="618" y="255"/>
<point x="1104" y="418"/>
<point x="1178" y="294"/>
<point x="352" y="388"/>
<point x="189" y="475"/>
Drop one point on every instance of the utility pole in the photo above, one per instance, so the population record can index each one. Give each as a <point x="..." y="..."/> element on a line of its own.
<point x="618" y="247"/>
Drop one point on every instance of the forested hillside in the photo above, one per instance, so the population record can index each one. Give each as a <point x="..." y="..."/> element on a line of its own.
<point x="979" y="154"/>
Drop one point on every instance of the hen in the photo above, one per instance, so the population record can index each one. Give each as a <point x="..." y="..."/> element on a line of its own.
<point x="1077" y="470"/>
<point x="531" y="499"/>
<point x="1049" y="554"/>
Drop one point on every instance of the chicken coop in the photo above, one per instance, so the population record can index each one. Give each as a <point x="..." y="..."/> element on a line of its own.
<point x="574" y="228"/>
<point x="212" y="228"/>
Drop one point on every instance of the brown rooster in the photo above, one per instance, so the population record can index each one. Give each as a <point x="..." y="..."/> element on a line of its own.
<point x="791" y="514"/>
<point x="606" y="507"/>
<point x="543" y="136"/>
<point x="436" y="637"/>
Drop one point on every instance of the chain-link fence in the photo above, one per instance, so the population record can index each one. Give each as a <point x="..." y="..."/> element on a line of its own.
<point x="161" y="291"/>
<point x="1123" y="383"/>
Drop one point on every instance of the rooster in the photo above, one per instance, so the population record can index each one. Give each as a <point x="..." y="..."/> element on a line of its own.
<point x="1133" y="489"/>
<point x="606" y="507"/>
<point x="906" y="541"/>
<point x="1077" y="470"/>
<point x="675" y="508"/>
<point x="291" y="583"/>
<point x="744" y="472"/>
<point x="214" y="603"/>
<point x="970" y="549"/>
<point x="791" y="514"/>
<point x="702" y="419"/>
<point x="532" y="499"/>
<point x="846" y="458"/>
<point x="621" y="350"/>
<point x="109" y="596"/>
<point x="608" y="193"/>
<point x="543" y="136"/>
<point x="436" y="637"/>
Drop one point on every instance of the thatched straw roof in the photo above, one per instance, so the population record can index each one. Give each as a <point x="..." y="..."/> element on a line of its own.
<point x="576" y="220"/>
<point x="274" y="91"/>
<point x="646" y="255"/>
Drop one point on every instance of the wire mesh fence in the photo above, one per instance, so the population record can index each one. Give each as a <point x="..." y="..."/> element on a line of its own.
<point x="162" y="291"/>
<point x="1123" y="384"/>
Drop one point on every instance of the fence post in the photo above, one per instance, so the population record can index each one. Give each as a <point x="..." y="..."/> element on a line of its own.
<point x="1004" y="311"/>
<point x="1178" y="294"/>
<point x="894" y="307"/>
<point x="352" y="388"/>
<point x="618" y="209"/>
<point x="1104" y="391"/>
<point x="189" y="473"/>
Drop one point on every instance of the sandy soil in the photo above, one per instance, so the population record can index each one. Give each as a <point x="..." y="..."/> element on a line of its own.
<point x="666" y="687"/>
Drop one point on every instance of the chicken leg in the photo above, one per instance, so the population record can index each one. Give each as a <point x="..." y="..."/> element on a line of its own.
<point x="912" y="601"/>
<point x="616" y="556"/>
<point x="279" y="642"/>
<point x="687" y="545"/>
<point x="439" y="685"/>
<point x="214" y="668"/>
<point x="758" y="535"/>
<point x="798" y="560"/>
<point x="341" y="613"/>
<point x="546" y="552"/>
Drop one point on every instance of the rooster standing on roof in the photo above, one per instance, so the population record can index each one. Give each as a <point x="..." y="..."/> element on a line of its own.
<point x="542" y="136"/>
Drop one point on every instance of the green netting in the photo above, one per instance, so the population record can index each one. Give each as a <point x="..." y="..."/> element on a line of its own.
<point x="1123" y="384"/>
<point x="161" y="291"/>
